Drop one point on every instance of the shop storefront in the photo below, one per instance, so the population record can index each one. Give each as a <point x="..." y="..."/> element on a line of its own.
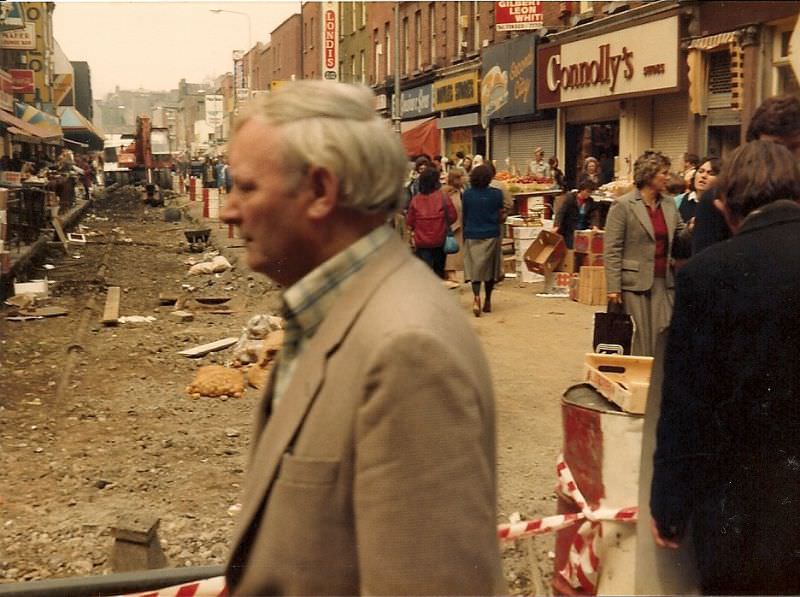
<point x="420" y="134"/>
<point x="456" y="99"/>
<point x="508" y="107"/>
<point x="618" y="93"/>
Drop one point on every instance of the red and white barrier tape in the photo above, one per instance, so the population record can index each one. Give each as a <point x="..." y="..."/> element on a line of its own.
<point x="208" y="587"/>
<point x="580" y="572"/>
<point x="583" y="562"/>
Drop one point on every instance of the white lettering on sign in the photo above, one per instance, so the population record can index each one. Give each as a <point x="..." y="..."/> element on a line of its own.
<point x="330" y="39"/>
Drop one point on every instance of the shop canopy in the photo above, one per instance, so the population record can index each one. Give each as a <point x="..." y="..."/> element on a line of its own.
<point x="46" y="123"/>
<point x="421" y="136"/>
<point x="21" y="130"/>
<point x="79" y="129"/>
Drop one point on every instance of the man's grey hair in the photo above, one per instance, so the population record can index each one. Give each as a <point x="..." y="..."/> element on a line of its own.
<point x="335" y="126"/>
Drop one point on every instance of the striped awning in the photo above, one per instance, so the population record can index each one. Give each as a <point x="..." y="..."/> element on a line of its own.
<point x="47" y="123"/>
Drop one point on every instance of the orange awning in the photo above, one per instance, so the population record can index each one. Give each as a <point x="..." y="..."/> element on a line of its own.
<point x="423" y="138"/>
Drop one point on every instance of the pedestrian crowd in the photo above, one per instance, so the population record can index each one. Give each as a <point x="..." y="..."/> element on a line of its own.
<point x="372" y="467"/>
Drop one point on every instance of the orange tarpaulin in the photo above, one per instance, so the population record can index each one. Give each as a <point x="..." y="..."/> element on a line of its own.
<point x="423" y="138"/>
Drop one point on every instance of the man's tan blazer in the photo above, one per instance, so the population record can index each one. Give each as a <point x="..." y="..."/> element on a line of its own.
<point x="375" y="474"/>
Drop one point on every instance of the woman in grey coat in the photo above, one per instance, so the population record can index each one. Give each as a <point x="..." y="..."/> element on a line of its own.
<point x="641" y="229"/>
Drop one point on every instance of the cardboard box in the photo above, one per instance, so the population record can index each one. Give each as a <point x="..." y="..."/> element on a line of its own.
<point x="574" y="284"/>
<point x="525" y="275"/>
<point x="583" y="241"/>
<point x="589" y="241"/>
<point x="592" y="286"/>
<point x="593" y="260"/>
<point x="546" y="253"/>
<point x="509" y="265"/>
<point x="569" y="263"/>
<point x="562" y="279"/>
<point x="526" y="232"/>
<point x="3" y="198"/>
<point x="596" y="244"/>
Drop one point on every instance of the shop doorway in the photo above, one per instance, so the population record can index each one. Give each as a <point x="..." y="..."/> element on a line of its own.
<point x="722" y="140"/>
<point x="480" y="145"/>
<point x="599" y="140"/>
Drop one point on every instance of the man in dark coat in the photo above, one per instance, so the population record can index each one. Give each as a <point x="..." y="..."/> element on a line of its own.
<point x="728" y="447"/>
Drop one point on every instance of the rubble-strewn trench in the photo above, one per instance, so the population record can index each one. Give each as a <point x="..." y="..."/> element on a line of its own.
<point x="96" y="424"/>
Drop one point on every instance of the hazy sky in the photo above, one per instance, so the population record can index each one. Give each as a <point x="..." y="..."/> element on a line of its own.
<point x="152" y="45"/>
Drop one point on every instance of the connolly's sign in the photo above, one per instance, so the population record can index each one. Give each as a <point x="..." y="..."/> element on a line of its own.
<point x="603" y="67"/>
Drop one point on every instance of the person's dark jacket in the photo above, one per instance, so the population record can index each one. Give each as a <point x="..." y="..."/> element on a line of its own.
<point x="568" y="217"/>
<point x="728" y="455"/>
<point x="480" y="210"/>
<point x="709" y="224"/>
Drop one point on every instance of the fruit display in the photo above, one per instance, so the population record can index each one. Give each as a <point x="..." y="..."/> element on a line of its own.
<point x="525" y="184"/>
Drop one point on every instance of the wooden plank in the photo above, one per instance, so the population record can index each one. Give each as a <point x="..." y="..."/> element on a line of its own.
<point x="60" y="233"/>
<point x="111" y="311"/>
<point x="203" y="349"/>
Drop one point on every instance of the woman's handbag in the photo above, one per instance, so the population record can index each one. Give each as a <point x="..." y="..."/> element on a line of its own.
<point x="613" y="331"/>
<point x="450" y="242"/>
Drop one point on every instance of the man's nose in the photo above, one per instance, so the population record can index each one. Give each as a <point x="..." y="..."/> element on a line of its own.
<point x="230" y="209"/>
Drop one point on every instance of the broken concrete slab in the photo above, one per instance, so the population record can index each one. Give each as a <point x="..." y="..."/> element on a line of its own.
<point x="203" y="349"/>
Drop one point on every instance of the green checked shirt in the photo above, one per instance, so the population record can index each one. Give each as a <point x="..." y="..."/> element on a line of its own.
<point x="308" y="301"/>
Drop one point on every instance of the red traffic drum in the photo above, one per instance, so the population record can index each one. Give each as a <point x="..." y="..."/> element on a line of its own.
<point x="601" y="458"/>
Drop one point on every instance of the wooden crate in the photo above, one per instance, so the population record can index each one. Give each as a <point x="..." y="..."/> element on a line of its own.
<point x="623" y="379"/>
<point x="592" y="285"/>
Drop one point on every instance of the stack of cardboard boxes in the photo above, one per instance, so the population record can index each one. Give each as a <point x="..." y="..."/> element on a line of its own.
<point x="589" y="285"/>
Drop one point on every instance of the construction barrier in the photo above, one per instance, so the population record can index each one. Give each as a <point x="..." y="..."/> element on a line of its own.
<point x="192" y="188"/>
<point x="209" y="587"/>
<point x="205" y="203"/>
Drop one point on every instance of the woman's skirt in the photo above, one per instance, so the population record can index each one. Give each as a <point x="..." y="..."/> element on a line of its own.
<point x="483" y="260"/>
<point x="651" y="312"/>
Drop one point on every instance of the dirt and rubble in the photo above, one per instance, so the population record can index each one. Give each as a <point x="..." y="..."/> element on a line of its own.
<point x="119" y="434"/>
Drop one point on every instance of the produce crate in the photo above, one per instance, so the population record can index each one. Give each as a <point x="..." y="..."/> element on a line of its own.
<point x="623" y="379"/>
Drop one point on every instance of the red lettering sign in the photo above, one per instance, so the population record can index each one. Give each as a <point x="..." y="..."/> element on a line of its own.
<point x="518" y="16"/>
<point x="21" y="80"/>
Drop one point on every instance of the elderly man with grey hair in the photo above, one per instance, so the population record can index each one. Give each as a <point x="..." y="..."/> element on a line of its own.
<point x="372" y="468"/>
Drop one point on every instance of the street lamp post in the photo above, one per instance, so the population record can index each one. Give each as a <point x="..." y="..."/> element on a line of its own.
<point x="243" y="14"/>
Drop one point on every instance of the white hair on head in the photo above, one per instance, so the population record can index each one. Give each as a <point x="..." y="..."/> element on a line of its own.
<point x="335" y="126"/>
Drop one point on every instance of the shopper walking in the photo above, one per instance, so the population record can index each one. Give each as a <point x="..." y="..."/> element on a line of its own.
<point x="482" y="213"/>
<point x="454" y="263"/>
<point x="428" y="215"/>
<point x="640" y="231"/>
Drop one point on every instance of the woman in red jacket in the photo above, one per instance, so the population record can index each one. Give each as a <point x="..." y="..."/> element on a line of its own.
<point x="429" y="213"/>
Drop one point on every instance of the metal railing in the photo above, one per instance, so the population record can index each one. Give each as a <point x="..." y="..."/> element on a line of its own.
<point x="111" y="584"/>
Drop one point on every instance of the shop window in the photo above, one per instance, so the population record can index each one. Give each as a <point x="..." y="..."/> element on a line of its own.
<point x="784" y="79"/>
<point x="719" y="80"/>
<point x="406" y="46"/>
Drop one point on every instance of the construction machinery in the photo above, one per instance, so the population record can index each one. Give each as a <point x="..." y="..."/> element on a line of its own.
<point x="147" y="160"/>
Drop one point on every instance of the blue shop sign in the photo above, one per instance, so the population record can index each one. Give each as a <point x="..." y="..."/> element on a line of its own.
<point x="416" y="102"/>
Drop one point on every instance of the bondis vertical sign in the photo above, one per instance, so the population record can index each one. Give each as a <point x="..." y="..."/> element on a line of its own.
<point x="330" y="41"/>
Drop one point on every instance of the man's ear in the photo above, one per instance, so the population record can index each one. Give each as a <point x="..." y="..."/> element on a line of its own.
<point x="324" y="190"/>
<point x="730" y="220"/>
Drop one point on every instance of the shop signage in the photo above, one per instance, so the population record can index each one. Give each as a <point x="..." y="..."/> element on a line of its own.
<point x="214" y="110"/>
<point x="6" y="92"/>
<point x="639" y="60"/>
<point x="19" y="39"/>
<point x="330" y="41"/>
<point x="518" y="16"/>
<point x="456" y="92"/>
<point x="381" y="102"/>
<point x="507" y="79"/>
<point x="416" y="102"/>
<point x="21" y="80"/>
<point x="11" y="15"/>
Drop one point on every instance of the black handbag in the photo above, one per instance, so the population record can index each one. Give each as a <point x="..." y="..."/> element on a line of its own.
<point x="613" y="331"/>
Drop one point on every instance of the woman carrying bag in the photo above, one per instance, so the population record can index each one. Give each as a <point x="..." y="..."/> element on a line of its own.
<point x="429" y="215"/>
<point x="641" y="229"/>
